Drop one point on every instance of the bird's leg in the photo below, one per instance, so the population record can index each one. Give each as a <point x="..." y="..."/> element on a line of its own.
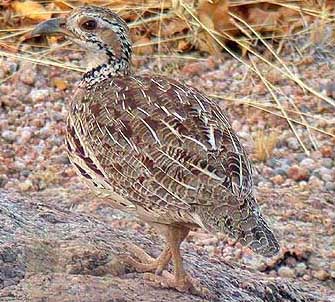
<point x="145" y="262"/>
<point x="179" y="280"/>
<point x="174" y="237"/>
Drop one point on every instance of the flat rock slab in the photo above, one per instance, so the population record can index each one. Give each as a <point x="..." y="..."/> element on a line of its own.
<point x="51" y="254"/>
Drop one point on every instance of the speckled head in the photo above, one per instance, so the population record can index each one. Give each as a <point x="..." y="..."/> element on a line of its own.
<point x="97" y="29"/>
<point x="100" y="31"/>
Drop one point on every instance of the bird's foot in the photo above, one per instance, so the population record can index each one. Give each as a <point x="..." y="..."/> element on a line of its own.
<point x="182" y="284"/>
<point x="143" y="262"/>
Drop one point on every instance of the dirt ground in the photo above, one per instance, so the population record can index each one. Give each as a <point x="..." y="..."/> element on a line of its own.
<point x="296" y="190"/>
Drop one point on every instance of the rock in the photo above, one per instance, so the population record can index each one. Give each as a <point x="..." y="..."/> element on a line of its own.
<point x="236" y="125"/>
<point x="244" y="135"/>
<point x="267" y="172"/>
<point x="278" y="180"/>
<point x="272" y="162"/>
<point x="38" y="95"/>
<point x="308" y="163"/>
<point x="24" y="136"/>
<point x="300" y="268"/>
<point x="62" y="159"/>
<point x="27" y="74"/>
<point x="315" y="182"/>
<point x="26" y="185"/>
<point x="58" y="116"/>
<point x="330" y="186"/>
<point x="264" y="184"/>
<point x="9" y="136"/>
<point x="60" y="84"/>
<point x="49" y="252"/>
<point x="316" y="155"/>
<point x="292" y="143"/>
<point x="303" y="184"/>
<point x="275" y="76"/>
<point x="326" y="174"/>
<point x="327" y="151"/>
<point x="19" y="165"/>
<point x="327" y="162"/>
<point x="298" y="173"/>
<point x="300" y="156"/>
<point x="3" y="180"/>
<point x="291" y="261"/>
<point x="332" y="270"/>
<point x="254" y="262"/>
<point x="286" y="272"/>
<point x="306" y="277"/>
<point x="282" y="170"/>
<point x="287" y="89"/>
<point x="199" y="68"/>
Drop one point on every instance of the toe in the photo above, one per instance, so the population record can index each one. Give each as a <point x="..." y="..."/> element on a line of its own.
<point x="166" y="280"/>
<point x="185" y="284"/>
<point x="136" y="265"/>
<point x="138" y="252"/>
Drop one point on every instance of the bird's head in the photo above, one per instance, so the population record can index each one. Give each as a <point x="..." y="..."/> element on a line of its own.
<point x="101" y="32"/>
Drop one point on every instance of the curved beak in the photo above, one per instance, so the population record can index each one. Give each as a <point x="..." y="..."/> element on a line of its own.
<point x="51" y="27"/>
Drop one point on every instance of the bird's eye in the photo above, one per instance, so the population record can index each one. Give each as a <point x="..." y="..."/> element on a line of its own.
<point x="89" y="25"/>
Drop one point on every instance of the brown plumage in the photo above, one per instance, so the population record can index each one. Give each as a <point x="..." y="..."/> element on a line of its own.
<point x="155" y="147"/>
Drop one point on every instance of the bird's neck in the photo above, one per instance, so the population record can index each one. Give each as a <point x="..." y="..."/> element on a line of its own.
<point x="105" y="64"/>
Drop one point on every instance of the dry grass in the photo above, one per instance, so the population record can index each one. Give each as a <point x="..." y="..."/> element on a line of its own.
<point x="264" y="143"/>
<point x="173" y="28"/>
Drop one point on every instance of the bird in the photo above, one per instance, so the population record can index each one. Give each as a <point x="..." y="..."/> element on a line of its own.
<point x="156" y="148"/>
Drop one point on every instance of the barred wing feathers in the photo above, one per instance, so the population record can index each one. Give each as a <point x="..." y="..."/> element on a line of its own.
<point x="168" y="150"/>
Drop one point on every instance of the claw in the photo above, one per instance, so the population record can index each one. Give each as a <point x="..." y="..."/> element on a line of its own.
<point x="184" y="284"/>
<point x="143" y="262"/>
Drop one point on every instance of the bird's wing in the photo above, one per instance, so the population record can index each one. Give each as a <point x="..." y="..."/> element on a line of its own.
<point x="163" y="144"/>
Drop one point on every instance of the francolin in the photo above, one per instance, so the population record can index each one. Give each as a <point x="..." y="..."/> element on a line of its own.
<point x="156" y="148"/>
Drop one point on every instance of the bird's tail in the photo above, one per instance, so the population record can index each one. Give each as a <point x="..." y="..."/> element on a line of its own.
<point x="259" y="238"/>
<point x="242" y="221"/>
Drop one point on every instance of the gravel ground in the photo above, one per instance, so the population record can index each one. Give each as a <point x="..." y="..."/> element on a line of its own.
<point x="296" y="191"/>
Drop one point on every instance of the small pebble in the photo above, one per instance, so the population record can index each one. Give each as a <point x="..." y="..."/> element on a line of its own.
<point x="301" y="268"/>
<point x="236" y="125"/>
<point x="332" y="270"/>
<point x="267" y="172"/>
<point x="327" y="151"/>
<point x="321" y="275"/>
<point x="298" y="173"/>
<point x="9" y="136"/>
<point x="330" y="186"/>
<point x="285" y="162"/>
<point x="326" y="174"/>
<point x="286" y="272"/>
<point x="300" y="156"/>
<point x="315" y="182"/>
<point x="26" y="185"/>
<point x="27" y="76"/>
<point x="292" y="143"/>
<point x="306" y="277"/>
<point x="3" y="180"/>
<point x="282" y="170"/>
<point x="272" y="162"/>
<point x="316" y="155"/>
<point x="19" y="165"/>
<point x="327" y="162"/>
<point x="291" y="261"/>
<point x="308" y="163"/>
<point x="278" y="180"/>
<point x="38" y="95"/>
<point x="25" y="136"/>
